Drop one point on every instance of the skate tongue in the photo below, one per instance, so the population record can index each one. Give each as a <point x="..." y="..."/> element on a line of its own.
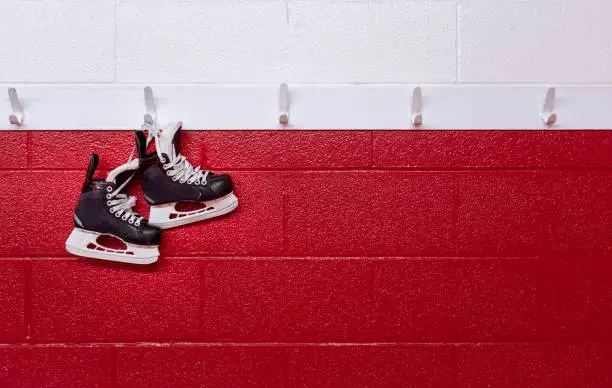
<point x="123" y="174"/>
<point x="168" y="140"/>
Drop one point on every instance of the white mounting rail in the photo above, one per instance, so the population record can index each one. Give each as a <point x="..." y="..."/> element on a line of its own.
<point x="228" y="107"/>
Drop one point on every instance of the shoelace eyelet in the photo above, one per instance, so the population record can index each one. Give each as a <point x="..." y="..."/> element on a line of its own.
<point x="131" y="221"/>
<point x="125" y="217"/>
<point x="117" y="214"/>
<point x="108" y="196"/>
<point x="137" y="223"/>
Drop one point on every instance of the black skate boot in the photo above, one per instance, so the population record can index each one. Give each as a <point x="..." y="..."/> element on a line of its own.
<point x="103" y="211"/>
<point x="170" y="180"/>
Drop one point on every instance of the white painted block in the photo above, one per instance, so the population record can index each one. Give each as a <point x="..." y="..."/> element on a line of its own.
<point x="546" y="41"/>
<point x="59" y="41"/>
<point x="373" y="42"/>
<point x="201" y="41"/>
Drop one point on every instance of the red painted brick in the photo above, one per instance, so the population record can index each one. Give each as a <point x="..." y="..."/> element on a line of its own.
<point x="534" y="213"/>
<point x="576" y="298"/>
<point x="455" y="300"/>
<point x="572" y="149"/>
<point x="502" y="214"/>
<point x="597" y="370"/>
<point x="455" y="149"/>
<point x="372" y="366"/>
<point x="200" y="366"/>
<point x="12" y="300"/>
<point x="490" y="149"/>
<point x="87" y="300"/>
<point x="55" y="366"/>
<point x="71" y="149"/>
<point x="286" y="149"/>
<point x="286" y="300"/>
<point x="579" y="217"/>
<point x="37" y="211"/>
<point x="369" y="214"/>
<point x="540" y="365"/>
<point x="255" y="228"/>
<point x="14" y="150"/>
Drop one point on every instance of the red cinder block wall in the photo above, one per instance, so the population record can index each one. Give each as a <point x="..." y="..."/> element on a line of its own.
<point x="355" y="259"/>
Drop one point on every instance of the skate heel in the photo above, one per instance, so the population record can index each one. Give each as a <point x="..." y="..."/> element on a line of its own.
<point x="166" y="216"/>
<point x="85" y="243"/>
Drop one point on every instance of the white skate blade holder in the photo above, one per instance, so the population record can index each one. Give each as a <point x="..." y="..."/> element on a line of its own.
<point x="84" y="243"/>
<point x="166" y="216"/>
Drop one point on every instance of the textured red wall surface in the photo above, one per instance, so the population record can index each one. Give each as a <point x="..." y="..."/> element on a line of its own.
<point x="355" y="259"/>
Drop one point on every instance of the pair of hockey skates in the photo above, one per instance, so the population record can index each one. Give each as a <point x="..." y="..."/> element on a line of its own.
<point x="169" y="181"/>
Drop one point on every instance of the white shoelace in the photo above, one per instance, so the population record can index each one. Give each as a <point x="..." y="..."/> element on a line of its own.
<point x="121" y="205"/>
<point x="180" y="169"/>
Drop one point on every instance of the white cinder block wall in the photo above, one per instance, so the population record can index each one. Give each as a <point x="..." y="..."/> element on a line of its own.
<point x="305" y="41"/>
<point x="350" y="64"/>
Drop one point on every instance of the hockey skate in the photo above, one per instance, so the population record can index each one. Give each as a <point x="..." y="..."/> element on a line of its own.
<point x="171" y="183"/>
<point x="103" y="213"/>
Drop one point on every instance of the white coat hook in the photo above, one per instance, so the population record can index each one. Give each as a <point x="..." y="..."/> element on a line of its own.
<point x="417" y="107"/>
<point x="548" y="110"/>
<point x="16" y="117"/>
<point x="283" y="104"/>
<point x="151" y="111"/>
